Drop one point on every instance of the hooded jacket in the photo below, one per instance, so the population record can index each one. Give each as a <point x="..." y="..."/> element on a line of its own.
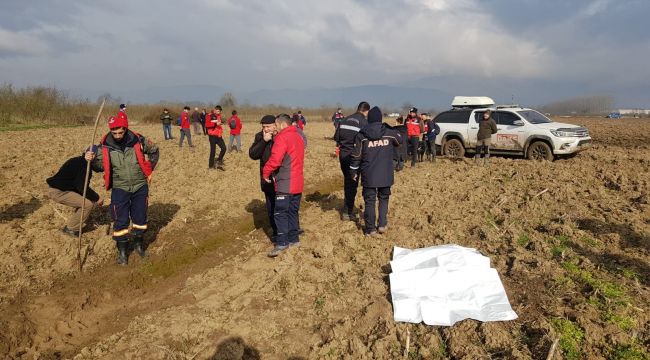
<point x="346" y="132"/>
<point x="486" y="128"/>
<point x="373" y="155"/>
<point x="286" y="162"/>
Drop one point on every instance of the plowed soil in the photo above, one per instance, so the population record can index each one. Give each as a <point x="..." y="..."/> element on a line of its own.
<point x="570" y="239"/>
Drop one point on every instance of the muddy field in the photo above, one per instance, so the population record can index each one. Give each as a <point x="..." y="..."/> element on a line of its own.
<point x="570" y="239"/>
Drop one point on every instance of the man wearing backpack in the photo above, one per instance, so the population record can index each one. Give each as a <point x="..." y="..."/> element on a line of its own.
<point x="234" y="123"/>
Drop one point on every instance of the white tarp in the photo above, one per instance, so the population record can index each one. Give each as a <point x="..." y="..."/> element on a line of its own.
<point x="441" y="285"/>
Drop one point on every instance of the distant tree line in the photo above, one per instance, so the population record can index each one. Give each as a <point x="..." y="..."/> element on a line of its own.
<point x="587" y="105"/>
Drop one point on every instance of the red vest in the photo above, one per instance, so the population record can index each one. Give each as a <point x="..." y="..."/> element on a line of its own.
<point x="413" y="126"/>
<point x="213" y="128"/>
<point x="145" y="165"/>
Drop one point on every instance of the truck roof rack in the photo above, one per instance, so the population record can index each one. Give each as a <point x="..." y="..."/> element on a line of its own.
<point x="471" y="102"/>
<point x="507" y="106"/>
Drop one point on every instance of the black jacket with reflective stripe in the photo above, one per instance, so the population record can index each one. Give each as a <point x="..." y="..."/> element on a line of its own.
<point x="346" y="131"/>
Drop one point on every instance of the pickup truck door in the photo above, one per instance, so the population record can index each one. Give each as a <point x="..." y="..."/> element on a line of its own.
<point x="472" y="128"/>
<point x="509" y="136"/>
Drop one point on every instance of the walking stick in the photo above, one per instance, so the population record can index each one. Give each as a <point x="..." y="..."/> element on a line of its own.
<point x="92" y="142"/>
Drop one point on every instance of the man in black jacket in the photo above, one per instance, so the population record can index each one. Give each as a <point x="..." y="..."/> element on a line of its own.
<point x="66" y="187"/>
<point x="373" y="158"/>
<point x="261" y="150"/>
<point x="400" y="153"/>
<point x="346" y="132"/>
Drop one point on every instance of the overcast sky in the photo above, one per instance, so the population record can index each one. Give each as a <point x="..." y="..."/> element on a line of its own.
<point x="261" y="44"/>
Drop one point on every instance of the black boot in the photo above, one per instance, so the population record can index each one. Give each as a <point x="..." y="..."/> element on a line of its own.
<point x="138" y="244"/>
<point x="122" y="255"/>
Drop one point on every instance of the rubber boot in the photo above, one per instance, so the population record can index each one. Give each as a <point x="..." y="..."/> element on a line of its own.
<point x="138" y="244"/>
<point x="122" y="256"/>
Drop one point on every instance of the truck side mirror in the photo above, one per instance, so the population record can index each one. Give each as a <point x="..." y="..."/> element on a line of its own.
<point x="518" y="123"/>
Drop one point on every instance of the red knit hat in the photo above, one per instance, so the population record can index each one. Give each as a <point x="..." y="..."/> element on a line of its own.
<point x="116" y="122"/>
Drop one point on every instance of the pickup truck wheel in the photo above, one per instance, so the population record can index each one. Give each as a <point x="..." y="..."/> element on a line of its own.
<point x="539" y="150"/>
<point x="454" y="148"/>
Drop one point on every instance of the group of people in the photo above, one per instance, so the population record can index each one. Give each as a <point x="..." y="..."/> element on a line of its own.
<point x="369" y="153"/>
<point x="202" y="122"/>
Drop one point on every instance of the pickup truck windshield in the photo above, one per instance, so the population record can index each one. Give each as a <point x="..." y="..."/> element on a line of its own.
<point x="534" y="117"/>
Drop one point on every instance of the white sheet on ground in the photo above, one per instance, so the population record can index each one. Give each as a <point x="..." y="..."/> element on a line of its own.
<point x="442" y="285"/>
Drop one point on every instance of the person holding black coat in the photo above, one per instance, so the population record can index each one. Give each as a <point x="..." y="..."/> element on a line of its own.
<point x="261" y="150"/>
<point x="373" y="159"/>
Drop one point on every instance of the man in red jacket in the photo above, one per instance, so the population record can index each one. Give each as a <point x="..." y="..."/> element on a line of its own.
<point x="286" y="167"/>
<point x="234" y="123"/>
<point x="414" y="127"/>
<point x="185" y="127"/>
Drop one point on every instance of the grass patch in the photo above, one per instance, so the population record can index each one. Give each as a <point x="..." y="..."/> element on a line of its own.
<point x="319" y="303"/>
<point x="605" y="289"/>
<point x="523" y="240"/>
<point x="571" y="336"/>
<point x="23" y="127"/>
<point x="623" y="322"/>
<point x="560" y="246"/>
<point x="628" y="352"/>
<point x="594" y="243"/>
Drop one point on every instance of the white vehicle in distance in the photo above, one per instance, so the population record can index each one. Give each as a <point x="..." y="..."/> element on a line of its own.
<point x="521" y="131"/>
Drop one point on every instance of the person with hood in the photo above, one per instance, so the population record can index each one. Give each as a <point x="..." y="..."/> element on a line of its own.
<point x="167" y="119"/>
<point x="261" y="150"/>
<point x="213" y="124"/>
<point x="401" y="152"/>
<point x="234" y="123"/>
<point x="66" y="188"/>
<point x="286" y="166"/>
<point x="345" y="137"/>
<point x="127" y="160"/>
<point x="431" y="131"/>
<point x="486" y="128"/>
<point x="373" y="159"/>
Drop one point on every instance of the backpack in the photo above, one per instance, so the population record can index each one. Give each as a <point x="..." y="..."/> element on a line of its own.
<point x="232" y="123"/>
<point x="178" y="121"/>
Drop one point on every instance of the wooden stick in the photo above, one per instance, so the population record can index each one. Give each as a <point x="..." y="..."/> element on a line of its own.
<point x="408" y="342"/>
<point x="92" y="142"/>
<point x="551" y="351"/>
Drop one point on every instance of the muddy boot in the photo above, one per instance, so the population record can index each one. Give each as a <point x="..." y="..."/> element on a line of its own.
<point x="220" y="165"/>
<point x="476" y="159"/>
<point x="122" y="255"/>
<point x="486" y="161"/>
<point x="138" y="245"/>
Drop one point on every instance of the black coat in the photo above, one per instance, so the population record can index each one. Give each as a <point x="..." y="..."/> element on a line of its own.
<point x="261" y="150"/>
<point x="70" y="177"/>
<point x="373" y="155"/>
<point x="346" y="132"/>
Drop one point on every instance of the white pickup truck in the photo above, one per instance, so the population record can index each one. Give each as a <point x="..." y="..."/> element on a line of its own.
<point x="521" y="131"/>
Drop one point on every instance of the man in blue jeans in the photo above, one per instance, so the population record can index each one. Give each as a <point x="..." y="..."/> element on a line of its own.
<point x="286" y="166"/>
<point x="166" y="119"/>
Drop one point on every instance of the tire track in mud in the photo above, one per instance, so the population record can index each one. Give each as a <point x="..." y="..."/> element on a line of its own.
<point x="82" y="308"/>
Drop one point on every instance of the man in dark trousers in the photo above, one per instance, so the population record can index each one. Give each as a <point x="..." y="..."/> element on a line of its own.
<point x="67" y="186"/>
<point x="431" y="132"/>
<point x="261" y="150"/>
<point x="345" y="135"/>
<point x="127" y="160"/>
<point x="414" y="128"/>
<point x="373" y="159"/>
<point x="401" y="151"/>
<point x="286" y="166"/>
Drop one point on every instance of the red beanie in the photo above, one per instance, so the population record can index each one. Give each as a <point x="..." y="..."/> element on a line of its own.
<point x="115" y="122"/>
